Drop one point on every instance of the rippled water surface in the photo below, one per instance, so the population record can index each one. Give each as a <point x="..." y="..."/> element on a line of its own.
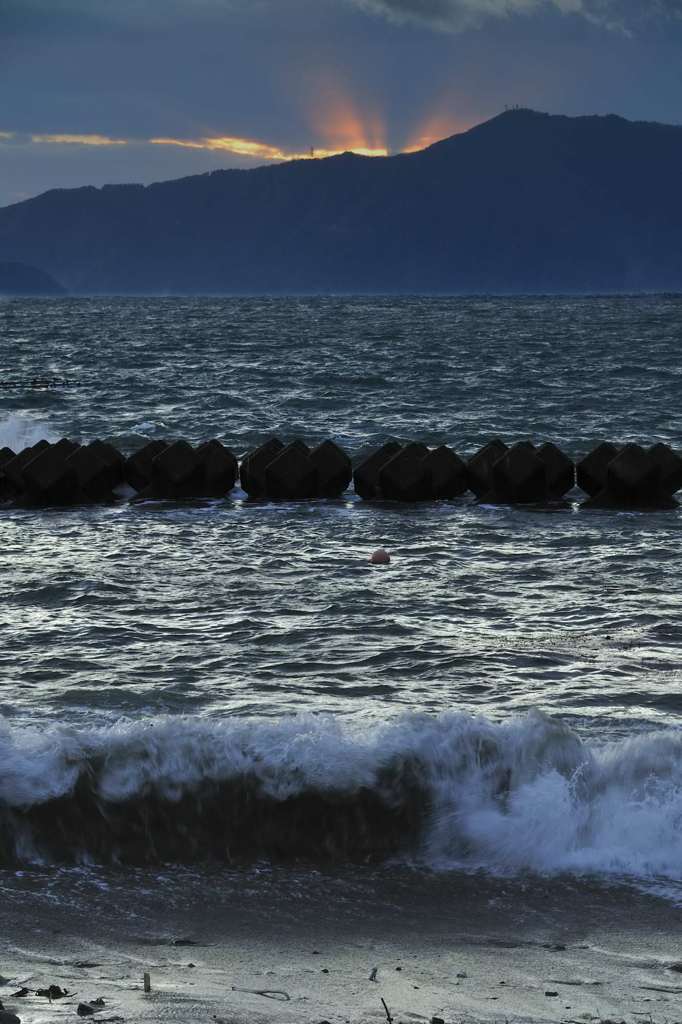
<point x="217" y="608"/>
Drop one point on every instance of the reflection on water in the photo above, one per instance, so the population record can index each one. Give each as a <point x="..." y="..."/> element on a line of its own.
<point x="225" y="608"/>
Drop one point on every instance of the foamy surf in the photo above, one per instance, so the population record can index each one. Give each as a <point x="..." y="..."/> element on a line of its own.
<point x="17" y="432"/>
<point x="450" y="791"/>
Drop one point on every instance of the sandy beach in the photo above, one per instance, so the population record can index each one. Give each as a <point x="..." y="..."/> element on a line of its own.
<point x="295" y="947"/>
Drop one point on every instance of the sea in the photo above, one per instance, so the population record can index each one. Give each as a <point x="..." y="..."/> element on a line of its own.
<point x="201" y="688"/>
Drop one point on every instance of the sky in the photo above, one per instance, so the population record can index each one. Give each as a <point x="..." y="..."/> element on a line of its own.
<point x="109" y="91"/>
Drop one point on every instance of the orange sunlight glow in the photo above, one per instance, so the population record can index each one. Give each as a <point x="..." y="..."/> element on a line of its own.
<point x="259" y="150"/>
<point x="339" y="122"/>
<point x="228" y="144"/>
<point x="342" y="124"/>
<point x="432" y="129"/>
<point x="80" y="140"/>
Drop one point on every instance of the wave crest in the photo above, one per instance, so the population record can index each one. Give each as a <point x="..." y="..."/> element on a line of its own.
<point x="456" y="790"/>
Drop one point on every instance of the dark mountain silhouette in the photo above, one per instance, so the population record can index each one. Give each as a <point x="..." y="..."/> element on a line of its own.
<point x="525" y="202"/>
<point x="18" y="279"/>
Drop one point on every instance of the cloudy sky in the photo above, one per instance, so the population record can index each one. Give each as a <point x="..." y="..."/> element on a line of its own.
<point x="96" y="91"/>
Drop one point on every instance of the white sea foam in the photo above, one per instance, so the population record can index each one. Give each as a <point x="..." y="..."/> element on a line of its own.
<point x="527" y="794"/>
<point x="17" y="432"/>
<point x="615" y="810"/>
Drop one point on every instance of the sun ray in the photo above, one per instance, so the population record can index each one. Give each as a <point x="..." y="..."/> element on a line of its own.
<point x="342" y="123"/>
<point x="433" y="128"/>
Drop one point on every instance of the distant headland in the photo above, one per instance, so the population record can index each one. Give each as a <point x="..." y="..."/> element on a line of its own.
<point x="19" y="279"/>
<point x="526" y="202"/>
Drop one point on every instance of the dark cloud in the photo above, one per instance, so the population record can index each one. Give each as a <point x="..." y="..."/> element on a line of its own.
<point x="458" y="15"/>
<point x="440" y="15"/>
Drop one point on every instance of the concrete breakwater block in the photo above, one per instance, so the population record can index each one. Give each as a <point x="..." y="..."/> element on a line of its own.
<point x="13" y="469"/>
<point x="406" y="476"/>
<point x="670" y="466"/>
<point x="176" y="472"/>
<point x="138" y="466"/>
<point x="559" y="470"/>
<point x="254" y="464"/>
<point x="294" y="472"/>
<point x="292" y="475"/>
<point x="448" y="473"/>
<point x="334" y="469"/>
<point x="65" y="473"/>
<point x="112" y="457"/>
<point x="519" y="477"/>
<point x="480" y="465"/>
<point x="6" y="455"/>
<point x="181" y="471"/>
<point x="591" y="471"/>
<point x="522" y="474"/>
<point x="410" y="473"/>
<point x="220" y="468"/>
<point x="366" y="474"/>
<point x="96" y="473"/>
<point x="49" y="479"/>
<point x="633" y="481"/>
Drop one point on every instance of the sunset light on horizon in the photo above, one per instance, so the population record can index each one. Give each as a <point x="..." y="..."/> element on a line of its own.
<point x="332" y="113"/>
<point x="70" y="139"/>
<point x="434" y="128"/>
<point x="263" y="151"/>
<point x="242" y="147"/>
<point x="343" y="129"/>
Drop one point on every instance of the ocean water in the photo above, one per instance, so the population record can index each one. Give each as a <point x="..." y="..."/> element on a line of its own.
<point x="221" y="681"/>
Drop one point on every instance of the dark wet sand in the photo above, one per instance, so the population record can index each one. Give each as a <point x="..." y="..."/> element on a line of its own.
<point x="452" y="946"/>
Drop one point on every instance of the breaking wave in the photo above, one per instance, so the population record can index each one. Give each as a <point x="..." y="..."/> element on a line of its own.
<point x="17" y="432"/>
<point x="452" y="791"/>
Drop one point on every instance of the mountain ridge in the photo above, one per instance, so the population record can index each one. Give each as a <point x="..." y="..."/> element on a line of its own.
<point x="525" y="201"/>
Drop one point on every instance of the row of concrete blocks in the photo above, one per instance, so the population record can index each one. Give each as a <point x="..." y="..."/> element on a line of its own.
<point x="67" y="473"/>
<point x="628" y="476"/>
<point x="611" y="477"/>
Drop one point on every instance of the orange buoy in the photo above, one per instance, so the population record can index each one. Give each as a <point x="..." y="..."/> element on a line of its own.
<point x="380" y="557"/>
